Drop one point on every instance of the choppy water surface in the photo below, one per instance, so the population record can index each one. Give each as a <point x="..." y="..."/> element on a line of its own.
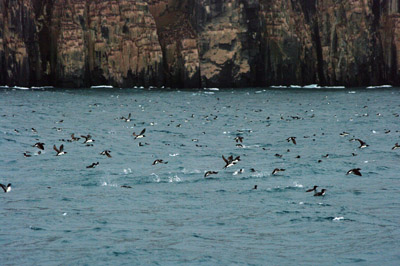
<point x="60" y="212"/>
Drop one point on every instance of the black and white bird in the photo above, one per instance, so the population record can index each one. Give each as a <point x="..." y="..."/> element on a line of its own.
<point x="93" y="165"/>
<point x="355" y="171"/>
<point x="141" y="135"/>
<point x="362" y="143"/>
<point x="59" y="151"/>
<point x="88" y="139"/>
<point x="127" y="119"/>
<point x="312" y="189"/>
<point x="6" y="188"/>
<point x="73" y="138"/>
<point x="106" y="153"/>
<point x="210" y="173"/>
<point x="319" y="194"/>
<point x="230" y="161"/>
<point x="343" y="134"/>
<point x="277" y="170"/>
<point x="238" y="139"/>
<point x="26" y="154"/>
<point x="293" y="139"/>
<point x="39" y="145"/>
<point x="159" y="161"/>
<point x="396" y="146"/>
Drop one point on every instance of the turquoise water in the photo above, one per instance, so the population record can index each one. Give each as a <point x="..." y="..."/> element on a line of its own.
<point x="60" y="212"/>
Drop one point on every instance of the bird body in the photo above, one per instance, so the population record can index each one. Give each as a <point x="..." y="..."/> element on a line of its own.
<point x="6" y="188"/>
<point x="355" y="171"/>
<point x="59" y="151"/>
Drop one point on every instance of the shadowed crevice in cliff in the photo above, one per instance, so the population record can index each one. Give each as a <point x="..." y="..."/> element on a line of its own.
<point x="318" y="49"/>
<point x="178" y="41"/>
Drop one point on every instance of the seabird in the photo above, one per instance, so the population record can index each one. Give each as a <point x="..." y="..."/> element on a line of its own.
<point x="107" y="153"/>
<point x="240" y="171"/>
<point x="355" y="171"/>
<point x="230" y="161"/>
<point x="73" y="138"/>
<point x="343" y="134"/>
<point x="293" y="139"/>
<point x="141" y="135"/>
<point x="26" y="154"/>
<point x="322" y="193"/>
<point x="210" y="173"/>
<point x="39" y="145"/>
<point x="88" y="139"/>
<point x="362" y="143"/>
<point x="278" y="155"/>
<point x="159" y="161"/>
<point x="255" y="187"/>
<point x="276" y="170"/>
<point x="125" y="186"/>
<point x="128" y="119"/>
<point x="238" y="139"/>
<point x="396" y="146"/>
<point x="34" y="130"/>
<point x="6" y="188"/>
<point x="92" y="165"/>
<point x="312" y="189"/>
<point x="59" y="151"/>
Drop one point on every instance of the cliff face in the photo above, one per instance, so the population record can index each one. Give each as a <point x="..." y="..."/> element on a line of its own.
<point x="199" y="43"/>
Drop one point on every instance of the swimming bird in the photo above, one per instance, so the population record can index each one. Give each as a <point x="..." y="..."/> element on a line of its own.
<point x="278" y="155"/>
<point x="255" y="187"/>
<point x="355" y="171"/>
<point x="396" y="146"/>
<point x="240" y="171"/>
<point x="141" y="135"/>
<point x="238" y="138"/>
<point x="159" y="161"/>
<point x="93" y="165"/>
<point x="312" y="189"/>
<point x="276" y="170"/>
<point x="127" y="119"/>
<point x="59" y="151"/>
<point x="322" y="193"/>
<point x="293" y="139"/>
<point x="210" y="173"/>
<point x="125" y="186"/>
<point x="343" y="134"/>
<point x="88" y="139"/>
<point x="107" y="153"/>
<point x="26" y="154"/>
<point x="39" y="145"/>
<point x="34" y="130"/>
<point x="6" y="188"/>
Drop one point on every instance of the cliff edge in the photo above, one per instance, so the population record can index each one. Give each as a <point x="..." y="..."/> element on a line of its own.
<point x="199" y="43"/>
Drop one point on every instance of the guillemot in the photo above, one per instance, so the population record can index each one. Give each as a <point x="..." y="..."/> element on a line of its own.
<point x="73" y="138"/>
<point x="312" y="189"/>
<point x="39" y="145"/>
<point x="276" y="170"/>
<point x="230" y="161"/>
<point x="293" y="139"/>
<point x="92" y="165"/>
<point x="396" y="146"/>
<point x="26" y="154"/>
<point x="322" y="193"/>
<point x="355" y="171"/>
<point x="210" y="173"/>
<point x="107" y="153"/>
<point x="6" y="188"/>
<point x="362" y="143"/>
<point x="127" y="119"/>
<point x="141" y="135"/>
<point x="59" y="151"/>
<point x="159" y="161"/>
<point x="238" y="139"/>
<point x="88" y="139"/>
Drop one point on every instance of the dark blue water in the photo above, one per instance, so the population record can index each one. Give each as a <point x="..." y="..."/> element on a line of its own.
<point x="60" y="212"/>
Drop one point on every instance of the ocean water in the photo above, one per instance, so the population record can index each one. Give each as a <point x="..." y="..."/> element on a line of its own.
<point x="60" y="212"/>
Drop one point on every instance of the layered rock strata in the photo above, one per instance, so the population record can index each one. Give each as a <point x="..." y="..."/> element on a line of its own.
<point x="199" y="43"/>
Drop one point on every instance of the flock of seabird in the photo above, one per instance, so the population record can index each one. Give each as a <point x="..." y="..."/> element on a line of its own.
<point x="229" y="161"/>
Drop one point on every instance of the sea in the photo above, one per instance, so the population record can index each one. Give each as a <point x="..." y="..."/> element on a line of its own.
<point x="129" y="210"/>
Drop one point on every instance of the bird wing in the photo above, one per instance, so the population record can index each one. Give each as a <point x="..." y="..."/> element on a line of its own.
<point x="225" y="160"/>
<point x="85" y="137"/>
<point x="55" y="148"/>
<point x="144" y="130"/>
<point x="62" y="147"/>
<point x="129" y="116"/>
<point x="3" y="187"/>
<point x="294" y="141"/>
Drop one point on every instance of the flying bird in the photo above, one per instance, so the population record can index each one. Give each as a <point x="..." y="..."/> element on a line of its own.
<point x="59" y="151"/>
<point x="141" y="135"/>
<point x="355" y="171"/>
<point x="6" y="188"/>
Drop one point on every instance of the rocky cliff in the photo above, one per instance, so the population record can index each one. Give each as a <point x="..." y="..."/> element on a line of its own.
<point x="199" y="43"/>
